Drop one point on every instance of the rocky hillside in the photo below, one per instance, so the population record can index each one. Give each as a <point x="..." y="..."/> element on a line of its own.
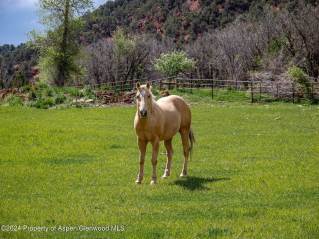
<point x="183" y="20"/>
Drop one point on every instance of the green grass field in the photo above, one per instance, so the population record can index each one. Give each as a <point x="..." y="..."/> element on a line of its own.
<point x="254" y="174"/>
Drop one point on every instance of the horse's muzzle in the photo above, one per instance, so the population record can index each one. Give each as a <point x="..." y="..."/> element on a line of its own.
<point x="143" y="113"/>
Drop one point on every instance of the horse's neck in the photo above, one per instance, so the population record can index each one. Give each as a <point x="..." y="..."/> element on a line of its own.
<point x="154" y="106"/>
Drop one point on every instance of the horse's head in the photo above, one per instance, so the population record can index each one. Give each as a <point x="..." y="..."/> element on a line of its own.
<point x="144" y="99"/>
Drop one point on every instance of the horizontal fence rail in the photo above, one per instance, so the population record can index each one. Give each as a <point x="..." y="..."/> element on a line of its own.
<point x="255" y="88"/>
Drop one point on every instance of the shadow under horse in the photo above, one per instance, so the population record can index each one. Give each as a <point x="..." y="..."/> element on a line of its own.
<point x="197" y="183"/>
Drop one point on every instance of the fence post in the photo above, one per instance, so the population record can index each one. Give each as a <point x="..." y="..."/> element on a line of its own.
<point x="95" y="93"/>
<point x="293" y="92"/>
<point x="212" y="89"/>
<point x="259" y="90"/>
<point x="252" y="91"/>
<point x="312" y="92"/>
<point x="191" y="84"/>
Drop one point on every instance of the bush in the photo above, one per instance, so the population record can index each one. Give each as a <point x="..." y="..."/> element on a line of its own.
<point x="105" y="88"/>
<point x="301" y="78"/>
<point x="88" y="93"/>
<point x="60" y="99"/>
<point x="41" y="85"/>
<point x="123" y="44"/>
<point x="171" y="64"/>
<point x="26" y="88"/>
<point x="44" y="103"/>
<point x="276" y="45"/>
<point x="49" y="92"/>
<point x="73" y="91"/>
<point x="32" y="95"/>
<point x="13" y="100"/>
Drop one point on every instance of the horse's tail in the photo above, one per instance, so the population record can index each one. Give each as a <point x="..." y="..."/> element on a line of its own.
<point x="192" y="141"/>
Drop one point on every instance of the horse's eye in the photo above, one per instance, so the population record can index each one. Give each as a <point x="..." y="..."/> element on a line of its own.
<point x="149" y="96"/>
<point x="138" y="97"/>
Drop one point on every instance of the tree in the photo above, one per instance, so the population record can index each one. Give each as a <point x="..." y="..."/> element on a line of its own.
<point x="119" y="59"/>
<point x="299" y="25"/>
<point x="173" y="63"/>
<point x="60" y="46"/>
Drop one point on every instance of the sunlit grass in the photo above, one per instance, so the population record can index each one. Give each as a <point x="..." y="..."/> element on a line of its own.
<point x="254" y="174"/>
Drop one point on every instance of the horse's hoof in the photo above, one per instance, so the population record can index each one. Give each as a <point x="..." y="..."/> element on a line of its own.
<point x="153" y="182"/>
<point x="183" y="175"/>
<point x="165" y="176"/>
<point x="138" y="182"/>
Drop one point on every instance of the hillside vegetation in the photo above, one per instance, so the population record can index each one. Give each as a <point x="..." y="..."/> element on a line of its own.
<point x="183" y="20"/>
<point x="228" y="40"/>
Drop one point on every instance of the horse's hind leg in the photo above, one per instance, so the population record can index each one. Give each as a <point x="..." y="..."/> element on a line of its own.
<point x="169" y="151"/>
<point x="185" y="142"/>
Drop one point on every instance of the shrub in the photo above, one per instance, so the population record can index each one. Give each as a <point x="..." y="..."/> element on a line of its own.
<point x="32" y="95"/>
<point x="123" y="44"/>
<point x="88" y="93"/>
<point x="26" y="88"/>
<point x="49" y="92"/>
<point x="276" y="45"/>
<point x="301" y="78"/>
<point x="105" y="87"/>
<point x="73" y="91"/>
<point x="60" y="99"/>
<point x="13" y="100"/>
<point x="41" y="85"/>
<point x="44" y="103"/>
<point x="171" y="64"/>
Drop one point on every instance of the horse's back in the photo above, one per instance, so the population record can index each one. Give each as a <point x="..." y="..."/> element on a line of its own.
<point x="174" y="104"/>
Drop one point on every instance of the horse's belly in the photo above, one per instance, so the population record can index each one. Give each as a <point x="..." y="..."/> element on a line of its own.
<point x="172" y="125"/>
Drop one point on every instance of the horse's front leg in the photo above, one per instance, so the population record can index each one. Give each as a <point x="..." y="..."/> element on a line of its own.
<point x="155" y="145"/>
<point x="142" y="147"/>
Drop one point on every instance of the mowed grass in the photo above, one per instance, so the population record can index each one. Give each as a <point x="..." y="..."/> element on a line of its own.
<point x="254" y="174"/>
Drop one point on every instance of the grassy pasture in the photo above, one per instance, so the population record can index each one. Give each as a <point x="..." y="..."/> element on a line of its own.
<point x="254" y="174"/>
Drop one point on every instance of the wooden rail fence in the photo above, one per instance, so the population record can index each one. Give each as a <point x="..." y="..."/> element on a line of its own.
<point x="256" y="88"/>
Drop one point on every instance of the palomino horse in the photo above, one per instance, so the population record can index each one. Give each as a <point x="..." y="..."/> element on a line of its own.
<point x="161" y="120"/>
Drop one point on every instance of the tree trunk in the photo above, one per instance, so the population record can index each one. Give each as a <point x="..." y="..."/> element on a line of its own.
<point x="63" y="61"/>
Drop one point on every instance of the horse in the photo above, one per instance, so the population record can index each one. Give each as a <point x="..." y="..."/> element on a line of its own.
<point x="161" y="120"/>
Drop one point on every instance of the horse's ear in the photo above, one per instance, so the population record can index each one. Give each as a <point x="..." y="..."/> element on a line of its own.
<point x="138" y="85"/>
<point x="148" y="85"/>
